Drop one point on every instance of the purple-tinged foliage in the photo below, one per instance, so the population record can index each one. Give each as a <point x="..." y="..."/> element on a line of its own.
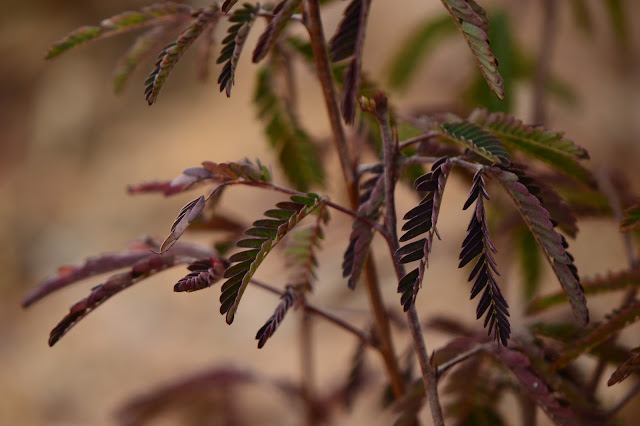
<point x="552" y="244"/>
<point x="171" y="54"/>
<point x="241" y="21"/>
<point x="204" y="273"/>
<point x="348" y="41"/>
<point x="477" y="140"/>
<point x="615" y="322"/>
<point x="473" y="22"/>
<point x="281" y="15"/>
<point x="188" y="214"/>
<point x="629" y="367"/>
<point x="287" y="300"/>
<point x="262" y="237"/>
<point x="420" y="220"/>
<point x="185" y="181"/>
<point x="371" y="202"/>
<point x="478" y="244"/>
<point x="153" y="15"/>
<point x="112" y="286"/>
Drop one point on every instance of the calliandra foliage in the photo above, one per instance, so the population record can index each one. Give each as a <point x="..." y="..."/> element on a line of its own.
<point x="477" y="244"/>
<point x="287" y="300"/>
<point x="204" y="273"/>
<point x="281" y="16"/>
<point x="348" y="42"/>
<point x="297" y="152"/>
<point x="262" y="237"/>
<point x="538" y="221"/>
<point x="421" y="220"/>
<point x="473" y="22"/>
<point x="371" y="202"/>
<point x="155" y="14"/>
<point x="552" y="148"/>
<point x="630" y="366"/>
<point x="170" y="55"/>
<point x="631" y="219"/>
<point x="478" y="141"/>
<point x="241" y="22"/>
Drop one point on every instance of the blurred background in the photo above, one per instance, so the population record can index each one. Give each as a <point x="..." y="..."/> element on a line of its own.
<point x="69" y="147"/>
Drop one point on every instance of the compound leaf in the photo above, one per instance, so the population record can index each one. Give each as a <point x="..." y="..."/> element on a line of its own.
<point x="477" y="140"/>
<point x="287" y="300"/>
<point x="282" y="14"/>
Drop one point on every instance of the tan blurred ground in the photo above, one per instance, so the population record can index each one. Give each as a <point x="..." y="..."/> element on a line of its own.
<point x="69" y="147"/>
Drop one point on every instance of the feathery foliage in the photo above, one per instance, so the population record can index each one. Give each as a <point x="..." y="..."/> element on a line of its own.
<point x="297" y="153"/>
<point x="631" y="219"/>
<point x="629" y="367"/>
<point x="478" y="243"/>
<point x="371" y="201"/>
<point x="612" y="281"/>
<point x="170" y="55"/>
<point x="477" y="140"/>
<point x="204" y="273"/>
<point x="241" y="21"/>
<point x="301" y="251"/>
<point x="614" y="323"/>
<point x="281" y="16"/>
<point x="156" y="14"/>
<point x="263" y="236"/>
<point x="348" y="41"/>
<point x="287" y="300"/>
<point x="552" y="244"/>
<point x="550" y="147"/>
<point x="420" y="220"/>
<point x="473" y="22"/>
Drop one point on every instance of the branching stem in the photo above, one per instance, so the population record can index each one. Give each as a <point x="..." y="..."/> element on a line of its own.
<point x="324" y="314"/>
<point x="311" y="16"/>
<point x="378" y="107"/>
<point x="460" y="358"/>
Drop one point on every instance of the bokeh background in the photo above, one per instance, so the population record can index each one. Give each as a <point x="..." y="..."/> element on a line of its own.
<point x="69" y="147"/>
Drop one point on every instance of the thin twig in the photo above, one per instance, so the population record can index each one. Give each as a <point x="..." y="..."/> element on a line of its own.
<point x="417" y="159"/>
<point x="604" y="184"/>
<point x="311" y="16"/>
<point x="378" y="107"/>
<point x="420" y="138"/>
<point x="633" y="392"/>
<point x="323" y="314"/>
<point x="444" y="367"/>
<point x="543" y="64"/>
<point x="265" y="14"/>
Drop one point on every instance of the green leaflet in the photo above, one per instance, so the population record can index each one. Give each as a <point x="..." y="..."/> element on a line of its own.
<point x="631" y="219"/>
<point x="263" y="236"/>
<point x="550" y="147"/>
<point x="472" y="20"/>
<point x="237" y="33"/>
<point x="615" y="323"/>
<point x="156" y="14"/>
<point x="478" y="140"/>
<point x="530" y="262"/>
<point x="538" y="221"/>
<point x="171" y="54"/>
<point x="297" y="153"/>
<point x="597" y="285"/>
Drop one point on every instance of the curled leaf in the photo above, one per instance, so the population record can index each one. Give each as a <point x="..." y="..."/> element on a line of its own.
<point x="266" y="331"/>
<point x="187" y="214"/>
<point x="204" y="273"/>
<point x="281" y="16"/>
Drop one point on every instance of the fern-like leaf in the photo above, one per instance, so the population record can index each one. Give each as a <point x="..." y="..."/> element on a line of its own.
<point x="614" y="323"/>
<point x="297" y="153"/>
<point x="348" y="41"/>
<point x="552" y="244"/>
<point x="227" y="5"/>
<point x="591" y="286"/>
<point x="263" y="236"/>
<point x="204" y="273"/>
<point x="301" y="252"/>
<point x="138" y="52"/>
<point x="371" y="202"/>
<point x="156" y="14"/>
<point x="115" y="284"/>
<point x="478" y="244"/>
<point x="281" y="16"/>
<point x="477" y="140"/>
<point x="241" y="22"/>
<point x="187" y="214"/>
<point x="631" y="219"/>
<point x="171" y="54"/>
<point x="287" y="300"/>
<point x="473" y="22"/>
<point x="421" y="220"/>
<point x="535" y="141"/>
<point x="630" y="366"/>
